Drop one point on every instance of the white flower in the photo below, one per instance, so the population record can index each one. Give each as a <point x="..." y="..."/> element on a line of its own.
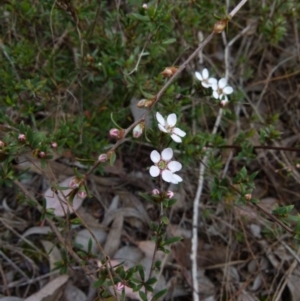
<point x="221" y="90"/>
<point x="168" y="126"/>
<point x="164" y="166"/>
<point x="204" y="78"/>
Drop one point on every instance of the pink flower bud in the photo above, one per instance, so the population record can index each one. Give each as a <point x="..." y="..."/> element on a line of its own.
<point x="2" y="144"/>
<point x="103" y="158"/>
<point x="22" y="138"/>
<point x="170" y="194"/>
<point x="223" y="103"/>
<point x="53" y="145"/>
<point x="74" y="183"/>
<point x="120" y="286"/>
<point x="248" y="196"/>
<point x="138" y="130"/>
<point x="82" y="194"/>
<point x="115" y="133"/>
<point x="145" y="6"/>
<point x="155" y="192"/>
<point x="42" y="154"/>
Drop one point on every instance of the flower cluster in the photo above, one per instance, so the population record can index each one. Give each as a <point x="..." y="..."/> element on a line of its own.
<point x="164" y="166"/>
<point x="219" y="87"/>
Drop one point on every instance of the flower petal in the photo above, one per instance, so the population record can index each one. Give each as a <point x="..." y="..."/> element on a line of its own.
<point x="222" y="83"/>
<point x="205" y="85"/>
<point x="160" y="119"/>
<point x="172" y="119"/>
<point x="162" y="128"/>
<point x="176" y="138"/>
<point x="167" y="154"/>
<point x="155" y="156"/>
<point x="154" y="171"/>
<point x="212" y="81"/>
<point x="179" y="132"/>
<point x="228" y="90"/>
<point x="174" y="166"/>
<point x="198" y="75"/>
<point x="205" y="73"/>
<point x="177" y="178"/>
<point x="214" y="85"/>
<point x="216" y="95"/>
<point x="167" y="175"/>
<point x="174" y="181"/>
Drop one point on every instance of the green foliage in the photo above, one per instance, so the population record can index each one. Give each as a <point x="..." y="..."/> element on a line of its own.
<point x="69" y="73"/>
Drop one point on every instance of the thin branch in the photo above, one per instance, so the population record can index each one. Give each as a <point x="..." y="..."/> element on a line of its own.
<point x="237" y="8"/>
<point x="194" y="252"/>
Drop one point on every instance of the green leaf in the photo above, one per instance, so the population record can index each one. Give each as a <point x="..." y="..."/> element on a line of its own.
<point x="169" y="203"/>
<point x="149" y="288"/>
<point x="140" y="17"/>
<point x="283" y="211"/>
<point x="90" y="244"/>
<point x="141" y="271"/>
<point x="143" y="296"/>
<point x="159" y="294"/>
<point x="146" y="196"/>
<point x="172" y="240"/>
<point x="151" y="281"/>
<point x="169" y="41"/>
<point x="146" y="95"/>
<point x="297" y="228"/>
<point x="165" y="220"/>
<point x="75" y="221"/>
<point x="100" y="281"/>
<point x="112" y="158"/>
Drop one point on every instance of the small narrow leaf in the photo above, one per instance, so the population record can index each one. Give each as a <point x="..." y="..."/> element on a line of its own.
<point x="159" y="294"/>
<point x="169" y="41"/>
<point x="140" y="17"/>
<point x="172" y="240"/>
<point x="112" y="158"/>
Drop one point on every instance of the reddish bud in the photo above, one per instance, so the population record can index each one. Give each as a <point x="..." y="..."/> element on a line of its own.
<point x="22" y="138"/>
<point x="120" y="286"/>
<point x="115" y="133"/>
<point x="170" y="194"/>
<point x="223" y="103"/>
<point x="74" y="183"/>
<point x="2" y="144"/>
<point x="155" y="192"/>
<point x="53" y="145"/>
<point x="103" y="158"/>
<point x="82" y="194"/>
<point x="41" y="154"/>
